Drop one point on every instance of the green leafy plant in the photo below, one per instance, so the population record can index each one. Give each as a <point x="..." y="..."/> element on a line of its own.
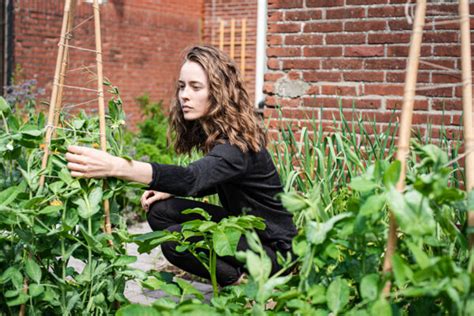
<point x="44" y="229"/>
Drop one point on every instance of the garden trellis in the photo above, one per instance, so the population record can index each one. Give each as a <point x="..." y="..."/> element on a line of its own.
<point x="59" y="84"/>
<point x="407" y="111"/>
<point x="55" y="106"/>
<point x="232" y="42"/>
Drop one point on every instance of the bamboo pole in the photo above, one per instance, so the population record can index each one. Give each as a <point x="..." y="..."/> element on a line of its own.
<point x="55" y="92"/>
<point x="232" y="38"/>
<point x="59" y="100"/>
<point x="467" y="105"/>
<point x="243" y="40"/>
<point x="100" y="89"/>
<point x="405" y="126"/>
<point x="221" y="35"/>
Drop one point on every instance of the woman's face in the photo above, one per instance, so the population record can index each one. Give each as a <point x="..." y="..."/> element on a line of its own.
<point x="193" y="91"/>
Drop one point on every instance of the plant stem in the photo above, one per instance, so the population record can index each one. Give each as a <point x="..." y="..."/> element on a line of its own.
<point x="212" y="271"/>
<point x="89" y="261"/>
<point x="63" y="263"/>
<point x="5" y="123"/>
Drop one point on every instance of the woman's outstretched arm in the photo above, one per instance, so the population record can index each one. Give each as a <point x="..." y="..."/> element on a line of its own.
<point x="92" y="163"/>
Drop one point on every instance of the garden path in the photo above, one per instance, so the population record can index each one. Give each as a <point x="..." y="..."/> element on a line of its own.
<point x="154" y="260"/>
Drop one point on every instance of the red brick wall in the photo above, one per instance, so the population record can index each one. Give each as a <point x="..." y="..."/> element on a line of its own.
<point x="214" y="11"/>
<point x="142" y="41"/>
<point x="320" y="52"/>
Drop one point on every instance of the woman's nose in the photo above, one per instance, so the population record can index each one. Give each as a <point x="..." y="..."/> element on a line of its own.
<point x="184" y="93"/>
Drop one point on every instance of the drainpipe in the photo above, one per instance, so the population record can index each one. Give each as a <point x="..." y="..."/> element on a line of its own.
<point x="9" y="42"/>
<point x="261" y="60"/>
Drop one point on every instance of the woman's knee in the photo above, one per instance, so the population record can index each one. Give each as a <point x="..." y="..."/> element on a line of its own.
<point x="171" y="254"/>
<point x="158" y="215"/>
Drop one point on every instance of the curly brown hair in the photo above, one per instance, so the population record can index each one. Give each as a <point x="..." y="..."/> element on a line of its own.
<point x="231" y="114"/>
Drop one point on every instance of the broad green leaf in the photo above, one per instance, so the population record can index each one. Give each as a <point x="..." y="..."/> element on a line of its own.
<point x="150" y="235"/>
<point x="337" y="295"/>
<point x="83" y="208"/>
<point x="55" y="187"/>
<point x="401" y="270"/>
<point x="188" y="288"/>
<point x="22" y="298"/>
<point x="4" y="106"/>
<point x="362" y="184"/>
<point x="31" y="132"/>
<point x="316" y="232"/>
<point x="8" y="274"/>
<point x="137" y="310"/>
<point x="35" y="289"/>
<point x="225" y="242"/>
<point x="33" y="270"/>
<point x="381" y="307"/>
<point x="413" y="212"/>
<point x="77" y="123"/>
<point x="259" y="267"/>
<point x="317" y="294"/>
<point x="125" y="260"/>
<point x="392" y="174"/>
<point x="373" y="204"/>
<point x="420" y="256"/>
<point x="164" y="304"/>
<point x="207" y="226"/>
<point x="198" y="211"/>
<point x="51" y="209"/>
<point x="293" y="202"/>
<point x="9" y="195"/>
<point x="95" y="197"/>
<point x="369" y="287"/>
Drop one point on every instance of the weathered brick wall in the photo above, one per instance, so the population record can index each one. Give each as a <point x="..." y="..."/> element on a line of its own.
<point x="216" y="10"/>
<point x="322" y="52"/>
<point x="142" y="41"/>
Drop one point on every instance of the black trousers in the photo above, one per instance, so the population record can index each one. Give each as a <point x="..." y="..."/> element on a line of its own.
<point x="167" y="215"/>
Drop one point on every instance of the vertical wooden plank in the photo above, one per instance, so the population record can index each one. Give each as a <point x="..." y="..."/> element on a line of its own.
<point x="467" y="105"/>
<point x="405" y="125"/>
<point x="221" y="34"/>
<point x="243" y="42"/>
<point x="232" y="38"/>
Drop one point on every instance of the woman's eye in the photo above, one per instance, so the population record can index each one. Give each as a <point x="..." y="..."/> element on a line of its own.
<point x="195" y="88"/>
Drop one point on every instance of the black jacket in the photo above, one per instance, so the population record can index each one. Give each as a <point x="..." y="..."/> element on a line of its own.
<point x="245" y="182"/>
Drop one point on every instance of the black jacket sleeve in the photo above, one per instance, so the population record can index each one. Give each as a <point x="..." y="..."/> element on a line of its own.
<point x="222" y="164"/>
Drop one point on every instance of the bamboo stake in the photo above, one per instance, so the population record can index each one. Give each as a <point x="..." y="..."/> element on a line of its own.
<point x="232" y="38"/>
<point x="221" y="35"/>
<point x="405" y="126"/>
<point x="57" y="106"/>
<point x="100" y="89"/>
<point x="55" y="92"/>
<point x="467" y="105"/>
<point x="243" y="39"/>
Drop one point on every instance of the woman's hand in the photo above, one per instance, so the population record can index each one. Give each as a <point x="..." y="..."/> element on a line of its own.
<point x="150" y="197"/>
<point x="91" y="163"/>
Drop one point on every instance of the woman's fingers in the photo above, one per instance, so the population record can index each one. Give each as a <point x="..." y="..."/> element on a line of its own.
<point x="150" y="197"/>
<point x="89" y="162"/>
<point x="143" y="199"/>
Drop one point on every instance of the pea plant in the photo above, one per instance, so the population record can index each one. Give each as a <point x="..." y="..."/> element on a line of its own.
<point x="43" y="230"/>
